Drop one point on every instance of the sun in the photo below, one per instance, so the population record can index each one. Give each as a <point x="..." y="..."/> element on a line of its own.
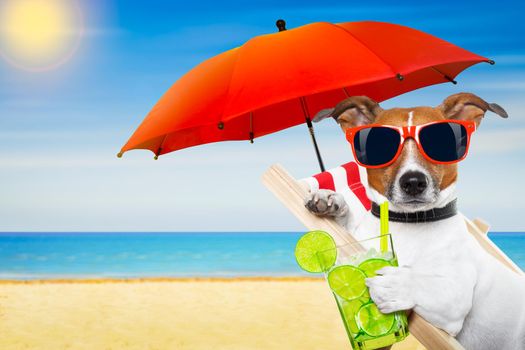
<point x="39" y="34"/>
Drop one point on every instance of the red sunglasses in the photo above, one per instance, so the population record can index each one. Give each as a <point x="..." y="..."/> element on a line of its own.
<point x="442" y="142"/>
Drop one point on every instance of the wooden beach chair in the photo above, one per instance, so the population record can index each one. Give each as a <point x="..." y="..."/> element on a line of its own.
<point x="292" y="192"/>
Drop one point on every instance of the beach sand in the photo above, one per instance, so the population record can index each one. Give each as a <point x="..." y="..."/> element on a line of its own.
<point x="252" y="313"/>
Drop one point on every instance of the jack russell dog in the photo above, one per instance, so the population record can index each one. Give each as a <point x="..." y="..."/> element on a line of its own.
<point x="411" y="157"/>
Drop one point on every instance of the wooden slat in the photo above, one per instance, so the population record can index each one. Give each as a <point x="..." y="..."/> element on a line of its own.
<point x="485" y="242"/>
<point x="429" y="336"/>
<point x="292" y="195"/>
<point x="482" y="225"/>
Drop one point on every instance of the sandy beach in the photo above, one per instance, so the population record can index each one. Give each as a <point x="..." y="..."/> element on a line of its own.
<point x="251" y="313"/>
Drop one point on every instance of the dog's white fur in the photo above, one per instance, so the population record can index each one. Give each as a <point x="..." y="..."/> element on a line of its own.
<point x="443" y="273"/>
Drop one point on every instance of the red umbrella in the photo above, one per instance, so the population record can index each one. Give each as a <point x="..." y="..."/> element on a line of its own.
<point x="279" y="80"/>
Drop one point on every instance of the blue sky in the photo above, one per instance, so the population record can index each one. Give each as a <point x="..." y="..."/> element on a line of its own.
<point x="60" y="129"/>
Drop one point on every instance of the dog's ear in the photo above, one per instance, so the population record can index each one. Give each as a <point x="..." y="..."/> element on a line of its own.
<point x="353" y="111"/>
<point x="323" y="114"/>
<point x="467" y="106"/>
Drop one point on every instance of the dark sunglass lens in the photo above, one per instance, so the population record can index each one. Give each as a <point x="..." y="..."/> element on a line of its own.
<point x="444" y="142"/>
<point x="376" y="145"/>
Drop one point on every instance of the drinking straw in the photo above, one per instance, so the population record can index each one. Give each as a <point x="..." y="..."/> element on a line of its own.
<point x="383" y="220"/>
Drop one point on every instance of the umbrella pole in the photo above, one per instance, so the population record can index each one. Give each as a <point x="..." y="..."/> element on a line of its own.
<point x="312" y="134"/>
<point x="311" y="130"/>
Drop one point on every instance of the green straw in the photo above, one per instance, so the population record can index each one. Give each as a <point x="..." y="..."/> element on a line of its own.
<point x="383" y="219"/>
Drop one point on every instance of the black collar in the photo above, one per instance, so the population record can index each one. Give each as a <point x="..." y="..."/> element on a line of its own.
<point x="420" y="216"/>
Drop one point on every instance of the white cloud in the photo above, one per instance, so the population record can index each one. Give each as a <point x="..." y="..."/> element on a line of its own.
<point x="494" y="142"/>
<point x="212" y="187"/>
<point x="216" y="186"/>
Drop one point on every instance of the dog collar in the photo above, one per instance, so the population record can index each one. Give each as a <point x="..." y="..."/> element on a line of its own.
<point x="420" y="216"/>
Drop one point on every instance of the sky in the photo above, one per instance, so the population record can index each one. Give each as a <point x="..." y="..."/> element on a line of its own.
<point x="60" y="128"/>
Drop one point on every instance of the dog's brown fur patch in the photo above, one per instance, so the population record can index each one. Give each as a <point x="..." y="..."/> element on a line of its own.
<point x="381" y="179"/>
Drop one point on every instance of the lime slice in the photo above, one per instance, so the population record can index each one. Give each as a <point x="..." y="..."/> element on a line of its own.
<point x="373" y="322"/>
<point x="349" y="309"/>
<point x="347" y="281"/>
<point x="370" y="266"/>
<point x="308" y="247"/>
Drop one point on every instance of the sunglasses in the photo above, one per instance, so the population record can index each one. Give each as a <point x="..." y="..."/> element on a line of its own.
<point x="442" y="142"/>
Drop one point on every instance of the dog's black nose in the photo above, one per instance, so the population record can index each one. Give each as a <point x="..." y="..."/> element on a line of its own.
<point x="413" y="182"/>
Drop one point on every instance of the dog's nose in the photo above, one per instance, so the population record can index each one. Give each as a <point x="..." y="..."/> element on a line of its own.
<point x="413" y="182"/>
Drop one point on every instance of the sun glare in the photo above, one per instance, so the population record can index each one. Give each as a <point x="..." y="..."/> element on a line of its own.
<point x="39" y="34"/>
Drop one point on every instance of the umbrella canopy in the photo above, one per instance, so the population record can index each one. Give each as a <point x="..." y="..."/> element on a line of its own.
<point x="279" y="80"/>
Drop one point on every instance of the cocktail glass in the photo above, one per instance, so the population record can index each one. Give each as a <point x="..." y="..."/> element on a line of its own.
<point x="365" y="325"/>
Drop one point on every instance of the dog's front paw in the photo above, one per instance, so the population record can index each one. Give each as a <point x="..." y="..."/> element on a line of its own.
<point x="390" y="289"/>
<point x="326" y="203"/>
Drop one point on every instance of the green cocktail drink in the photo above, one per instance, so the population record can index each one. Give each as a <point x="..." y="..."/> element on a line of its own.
<point x="365" y="325"/>
<point x="346" y="267"/>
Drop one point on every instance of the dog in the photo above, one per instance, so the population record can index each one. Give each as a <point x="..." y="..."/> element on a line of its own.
<point x="443" y="274"/>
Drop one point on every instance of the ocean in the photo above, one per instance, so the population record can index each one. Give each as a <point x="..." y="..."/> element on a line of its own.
<point x="180" y="254"/>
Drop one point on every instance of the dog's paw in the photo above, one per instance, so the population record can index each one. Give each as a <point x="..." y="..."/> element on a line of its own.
<point x="326" y="203"/>
<point x="390" y="289"/>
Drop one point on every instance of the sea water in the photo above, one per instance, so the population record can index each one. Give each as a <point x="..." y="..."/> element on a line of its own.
<point x="181" y="254"/>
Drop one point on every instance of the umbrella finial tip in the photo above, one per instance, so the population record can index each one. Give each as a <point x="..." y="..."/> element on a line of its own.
<point x="281" y="24"/>
<point x="119" y="155"/>
<point x="491" y="62"/>
<point x="156" y="157"/>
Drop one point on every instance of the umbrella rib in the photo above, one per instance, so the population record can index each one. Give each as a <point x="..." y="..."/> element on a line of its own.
<point x="251" y="127"/>
<point x="369" y="49"/>
<point x="160" y="147"/>
<point x="227" y="103"/>
<point x="445" y="75"/>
